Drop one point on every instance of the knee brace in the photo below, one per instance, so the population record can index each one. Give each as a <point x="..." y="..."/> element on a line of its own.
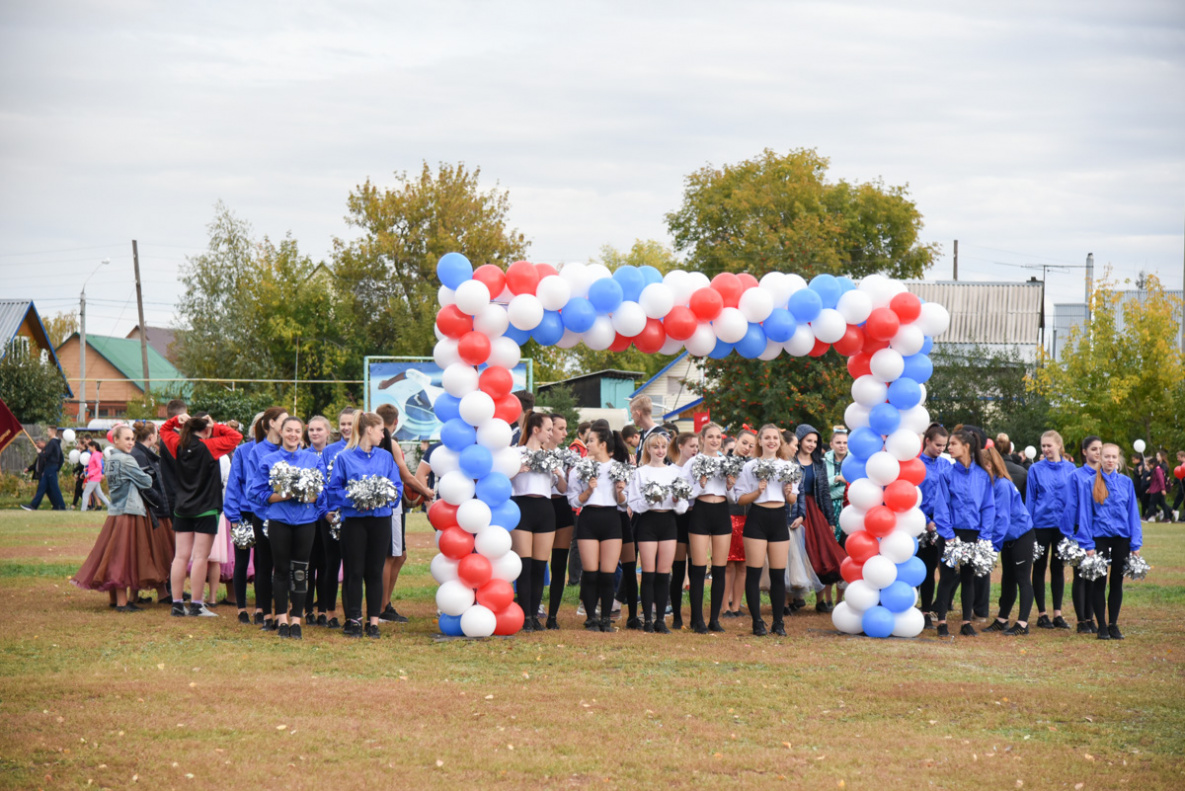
<point x="299" y="577"/>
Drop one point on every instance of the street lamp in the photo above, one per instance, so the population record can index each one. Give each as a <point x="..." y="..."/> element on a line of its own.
<point x="82" y="344"/>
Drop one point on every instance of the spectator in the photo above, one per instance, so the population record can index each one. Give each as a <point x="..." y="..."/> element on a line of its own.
<point x="527" y="400"/>
<point x="1016" y="472"/>
<point x="49" y="460"/>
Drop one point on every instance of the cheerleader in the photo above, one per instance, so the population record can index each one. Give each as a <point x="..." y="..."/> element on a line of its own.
<point x="1081" y="480"/>
<point x="937" y="468"/>
<point x="267" y="442"/>
<point x="628" y="589"/>
<point x="1109" y="523"/>
<point x="744" y="446"/>
<point x="327" y="583"/>
<point x="564" y="523"/>
<point x="323" y="556"/>
<point x="535" y="535"/>
<point x="599" y="530"/>
<point x="709" y="530"/>
<point x="965" y="508"/>
<point x="365" y="534"/>
<point x="236" y="510"/>
<point x="814" y="514"/>
<point x="683" y="450"/>
<point x="1014" y="538"/>
<point x="292" y="523"/>
<point x="1045" y="499"/>
<point x="156" y="502"/>
<point x="767" y="529"/>
<point x="655" y="529"/>
<point x="122" y="557"/>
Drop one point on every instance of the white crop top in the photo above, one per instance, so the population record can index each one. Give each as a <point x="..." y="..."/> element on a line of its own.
<point x="747" y="482"/>
<point x="531" y="483"/>
<point x="664" y="475"/>
<point x="604" y="495"/>
<point x="716" y="485"/>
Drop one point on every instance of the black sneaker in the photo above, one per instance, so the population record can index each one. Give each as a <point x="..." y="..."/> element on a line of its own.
<point x="199" y="611"/>
<point x="1060" y="623"/>
<point x="787" y="610"/>
<point x="728" y="614"/>
<point x="372" y="631"/>
<point x="607" y="625"/>
<point x="552" y="623"/>
<point x="1113" y="630"/>
<point x="284" y="630"/>
<point x="352" y="629"/>
<point x="333" y="623"/>
<point x="660" y="627"/>
<point x="321" y="620"/>
<point x="1083" y="627"/>
<point x="28" y="507"/>
<point x="943" y="630"/>
<point x="258" y="619"/>
<point x="823" y="607"/>
<point x="1103" y="635"/>
<point x="997" y="626"/>
<point x="699" y="627"/>
<point x="677" y="624"/>
<point x="388" y="614"/>
<point x="968" y="631"/>
<point x="269" y="625"/>
<point x="633" y="623"/>
<point x="178" y="610"/>
<point x="759" y="629"/>
<point x="399" y="618"/>
<point x="294" y="632"/>
<point x="127" y="608"/>
<point x="779" y="629"/>
<point x="244" y="618"/>
<point x="798" y="604"/>
<point x="929" y="622"/>
<point x="648" y="626"/>
<point x="536" y="624"/>
<point x="1015" y="630"/>
<point x="1043" y="622"/>
<point x="714" y="626"/>
<point x="592" y="625"/>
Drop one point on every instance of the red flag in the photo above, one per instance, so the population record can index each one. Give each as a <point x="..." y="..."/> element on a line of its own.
<point x="9" y="425"/>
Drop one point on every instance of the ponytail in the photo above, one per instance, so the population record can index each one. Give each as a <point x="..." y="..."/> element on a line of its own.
<point x="191" y="427"/>
<point x="1100" y="487"/>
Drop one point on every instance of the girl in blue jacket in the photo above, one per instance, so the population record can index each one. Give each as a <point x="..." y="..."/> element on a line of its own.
<point x="964" y="508"/>
<point x="1045" y="498"/>
<point x="267" y="442"/>
<point x="1015" y="540"/>
<point x="1109" y="522"/>
<point x="365" y="535"/>
<point x="1081" y="481"/>
<point x="933" y="446"/>
<point x="235" y="512"/>
<point x="291" y="526"/>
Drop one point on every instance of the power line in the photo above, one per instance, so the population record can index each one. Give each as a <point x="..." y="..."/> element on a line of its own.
<point x="62" y="250"/>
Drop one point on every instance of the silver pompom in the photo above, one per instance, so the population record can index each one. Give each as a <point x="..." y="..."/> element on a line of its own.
<point x="620" y="472"/>
<point x="586" y="469"/>
<point x="957" y="552"/>
<point x="281" y="478"/>
<point x="1070" y="553"/>
<point x="790" y="473"/>
<point x="680" y="489"/>
<point x="765" y="469"/>
<point x="1136" y="567"/>
<point x="243" y="535"/>
<point x="983" y="557"/>
<point x="370" y="492"/>
<point x="731" y="466"/>
<point x="1038" y="552"/>
<point x="1094" y="567"/>
<point x="928" y="539"/>
<point x="308" y="484"/>
<point x="705" y="467"/>
<point x="335" y="527"/>
<point x="654" y="492"/>
<point x="263" y="529"/>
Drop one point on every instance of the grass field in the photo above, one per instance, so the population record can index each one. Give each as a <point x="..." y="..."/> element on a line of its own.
<point x="90" y="698"/>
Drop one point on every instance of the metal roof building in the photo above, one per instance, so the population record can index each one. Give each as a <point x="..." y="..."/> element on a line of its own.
<point x="21" y="323"/>
<point x="999" y="316"/>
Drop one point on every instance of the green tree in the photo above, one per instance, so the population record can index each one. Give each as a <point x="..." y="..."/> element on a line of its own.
<point x="32" y="389"/>
<point x="60" y="326"/>
<point x="560" y="401"/>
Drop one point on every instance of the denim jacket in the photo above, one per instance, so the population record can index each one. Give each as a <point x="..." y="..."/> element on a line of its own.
<point x="125" y="479"/>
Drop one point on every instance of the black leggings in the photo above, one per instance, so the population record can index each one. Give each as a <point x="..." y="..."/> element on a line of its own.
<point x="291" y="545"/>
<point x="327" y="574"/>
<point x="1048" y="538"/>
<point x="263" y="568"/>
<point x="1016" y="558"/>
<point x="316" y="565"/>
<point x="1157" y="502"/>
<point x="242" y="560"/>
<point x="365" y="542"/>
<point x="930" y="556"/>
<point x="1118" y="550"/>
<point x="1080" y="592"/>
<point x="948" y="578"/>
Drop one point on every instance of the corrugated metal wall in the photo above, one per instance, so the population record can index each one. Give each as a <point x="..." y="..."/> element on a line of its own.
<point x="988" y="313"/>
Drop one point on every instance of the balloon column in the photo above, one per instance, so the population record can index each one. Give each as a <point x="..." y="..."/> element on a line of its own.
<point x="487" y="314"/>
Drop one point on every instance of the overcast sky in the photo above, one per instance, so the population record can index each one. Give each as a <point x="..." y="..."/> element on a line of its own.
<point x="1033" y="133"/>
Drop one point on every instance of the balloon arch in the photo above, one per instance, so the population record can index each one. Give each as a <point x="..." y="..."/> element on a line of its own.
<point x="487" y="314"/>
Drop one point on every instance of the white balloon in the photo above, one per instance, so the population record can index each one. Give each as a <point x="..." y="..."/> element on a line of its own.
<point x="443" y="569"/>
<point x="879" y="572"/>
<point x="472" y="297"/>
<point x="477" y="408"/>
<point x="922" y="388"/>
<point x="934" y="319"/>
<point x="440" y="336"/>
<point x="504" y="297"/>
<point x="851" y="519"/>
<point x="444" y="460"/>
<point x="778" y="287"/>
<point x="459" y="380"/>
<point x="772" y="350"/>
<point x="854" y="306"/>
<point x="74" y="456"/>
<point x="492" y="321"/>
<point x="671" y="346"/>
<point x="860" y="595"/>
<point x="553" y="292"/>
<point x="829" y="326"/>
<point x="909" y="623"/>
<point x="455" y="487"/>
<point x="595" y="272"/>
<point x="856" y="416"/>
<point x="846" y="619"/>
<point x="454" y="597"/>
<point x="801" y="342"/>
<point x="887" y="365"/>
<point x="478" y="621"/>
<point x="702" y="341"/>
<point x="569" y="339"/>
<point x="868" y="391"/>
<point x="1139" y="445"/>
<point x="730" y="326"/>
<point x="912" y="522"/>
<point x="878" y="289"/>
<point x="656" y="300"/>
<point x="1030" y="452"/>
<point x="107" y="451"/>
<point x="504" y="352"/>
<point x="446" y="296"/>
<point x="525" y="312"/>
<point x="915" y="419"/>
<point x="904" y="444"/>
<point x="908" y="340"/>
<point x="865" y="494"/>
<point x="507" y="461"/>
<point x="680" y="285"/>
<point x="600" y="335"/>
<point x="699" y="280"/>
<point x="881" y="468"/>
<point x="444" y="353"/>
<point x="493" y="434"/>
<point x="492" y="542"/>
<point x="507" y="567"/>
<point x="756" y="304"/>
<point x="574" y="273"/>
<point x="85" y="458"/>
<point x="629" y="319"/>
<point x="68" y="436"/>
<point x="792" y="283"/>
<point x="897" y="546"/>
<point x="473" y="515"/>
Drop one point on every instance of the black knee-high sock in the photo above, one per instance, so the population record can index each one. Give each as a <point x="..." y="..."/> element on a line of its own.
<point x="559" y="567"/>
<point x="719" y="583"/>
<point x="696" y="594"/>
<point x="538" y="575"/>
<point x="589" y="580"/>
<point x="605" y="589"/>
<point x="522" y="588"/>
<point x="678" y="572"/>
<point x="662" y="588"/>
<point x="753" y="592"/>
<point x="777" y="592"/>
<point x="648" y="595"/>
<point x="629" y="586"/>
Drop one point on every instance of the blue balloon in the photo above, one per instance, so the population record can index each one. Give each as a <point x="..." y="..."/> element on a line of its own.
<point x="863" y="442"/>
<point x="447" y="407"/>
<point x="579" y="314"/>
<point x="877" y="622"/>
<point x="805" y="304"/>
<point x="912" y="572"/>
<point x="853" y="468"/>
<point x="605" y="294"/>
<point x="721" y="350"/>
<point x="550" y="330"/>
<point x="898" y="597"/>
<point x="494" y="489"/>
<point x="753" y="344"/>
<point x="506" y="515"/>
<point x="518" y="336"/>
<point x="451" y="625"/>
<point x="453" y="269"/>
<point x="884" y="419"/>
<point x="780" y="325"/>
<point x="457" y="434"/>
<point x="927" y="345"/>
<point x="650" y="275"/>
<point x="845" y="284"/>
<point x="631" y="281"/>
<point x="476" y="461"/>
<point x="918" y="367"/>
<point x="905" y="393"/>
<point x="828" y="289"/>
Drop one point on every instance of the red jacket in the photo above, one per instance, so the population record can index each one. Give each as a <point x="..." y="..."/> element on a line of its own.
<point x="222" y="440"/>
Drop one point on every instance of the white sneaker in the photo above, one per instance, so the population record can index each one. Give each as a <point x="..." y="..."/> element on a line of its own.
<point x="200" y="611"/>
<point x="580" y="609"/>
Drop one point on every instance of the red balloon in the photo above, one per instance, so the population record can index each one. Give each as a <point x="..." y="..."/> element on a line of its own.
<point x="493" y="277"/>
<point x="453" y="322"/>
<point x="852" y="341"/>
<point x="882" y="324"/>
<point x="820" y="348"/>
<point x="496" y="595"/>
<point x="907" y="306"/>
<point x="474" y="347"/>
<point x="901" y="495"/>
<point x="474" y="570"/>
<point x="522" y="277"/>
<point x="872" y="345"/>
<point x="455" y="543"/>
<point x="729" y="287"/>
<point x="706" y="303"/>
<point x="442" y="515"/>
<point x="747" y="281"/>
<point x="1179" y="472"/>
<point x="111" y="435"/>
<point x="508" y="408"/>
<point x="860" y="365"/>
<point x="879" y="521"/>
<point x="850" y="570"/>
<point x="620" y="343"/>
<point x="861" y="545"/>
<point x="509" y="621"/>
<point x="545" y="269"/>
<point x="651" y="338"/>
<point x="496" y="382"/>
<point x="913" y="471"/>
<point x="680" y="323"/>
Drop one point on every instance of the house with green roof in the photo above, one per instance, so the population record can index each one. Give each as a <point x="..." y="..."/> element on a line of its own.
<point x="115" y="374"/>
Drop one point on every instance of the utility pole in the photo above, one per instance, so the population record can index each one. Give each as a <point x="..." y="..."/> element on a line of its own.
<point x="140" y="308"/>
<point x="956" y="259"/>
<point x="82" y="345"/>
<point x="1089" y="283"/>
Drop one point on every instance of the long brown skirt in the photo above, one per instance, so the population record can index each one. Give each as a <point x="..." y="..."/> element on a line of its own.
<point x="821" y="547"/>
<point x="123" y="556"/>
<point x="164" y="543"/>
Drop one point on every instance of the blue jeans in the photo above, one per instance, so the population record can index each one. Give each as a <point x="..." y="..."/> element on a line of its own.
<point x="49" y="485"/>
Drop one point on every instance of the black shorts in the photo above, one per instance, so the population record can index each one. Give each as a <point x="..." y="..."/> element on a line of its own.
<point x="196" y="524"/>
<point x="681" y="523"/>
<point x="768" y="524"/>
<point x="710" y="519"/>
<point x="627" y="527"/>
<point x="563" y="512"/>
<point x="537" y="514"/>
<point x="656" y="526"/>
<point x="599" y="523"/>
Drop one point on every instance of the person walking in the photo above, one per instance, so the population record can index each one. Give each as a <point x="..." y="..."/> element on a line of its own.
<point x="50" y="461"/>
<point x="94" y="477"/>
